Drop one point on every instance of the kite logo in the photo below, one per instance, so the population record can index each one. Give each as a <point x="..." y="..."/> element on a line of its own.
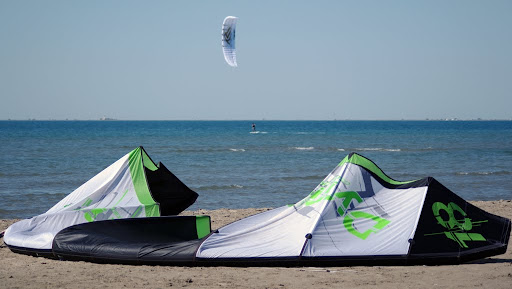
<point x="227" y="36"/>
<point x="458" y="230"/>
<point x="322" y="192"/>
<point x="92" y="213"/>
<point x="350" y="216"/>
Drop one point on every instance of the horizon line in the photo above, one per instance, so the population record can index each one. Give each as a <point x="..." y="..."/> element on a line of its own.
<point x="252" y="120"/>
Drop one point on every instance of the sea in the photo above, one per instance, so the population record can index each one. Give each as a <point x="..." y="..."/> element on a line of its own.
<point x="230" y="166"/>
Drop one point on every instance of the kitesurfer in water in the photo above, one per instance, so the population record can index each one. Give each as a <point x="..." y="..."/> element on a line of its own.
<point x="253" y="127"/>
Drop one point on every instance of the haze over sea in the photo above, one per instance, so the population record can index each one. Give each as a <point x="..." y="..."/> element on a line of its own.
<point x="229" y="167"/>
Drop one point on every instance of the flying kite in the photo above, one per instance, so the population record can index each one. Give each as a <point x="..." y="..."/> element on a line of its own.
<point x="228" y="40"/>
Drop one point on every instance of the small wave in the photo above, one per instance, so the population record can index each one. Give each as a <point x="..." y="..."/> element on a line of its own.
<point x="368" y="149"/>
<point x="219" y="187"/>
<point x="206" y="150"/>
<point x="304" y="148"/>
<point x="497" y="173"/>
<point x="308" y="132"/>
<point x="425" y="149"/>
<point x="237" y="150"/>
<point x="341" y="150"/>
<point x="378" y="149"/>
<point x="35" y="174"/>
<point x="197" y="150"/>
<point x="293" y="178"/>
<point x="258" y="132"/>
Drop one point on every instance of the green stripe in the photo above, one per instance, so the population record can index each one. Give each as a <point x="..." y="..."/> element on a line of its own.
<point x="140" y="184"/>
<point x="369" y="165"/>
<point x="148" y="163"/>
<point x="152" y="210"/>
<point x="202" y="226"/>
<point x="136" y="213"/>
<point x="121" y="198"/>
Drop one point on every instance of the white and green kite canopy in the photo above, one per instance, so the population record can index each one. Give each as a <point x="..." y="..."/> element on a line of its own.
<point x="120" y="191"/>
<point x="356" y="215"/>
<point x="348" y="208"/>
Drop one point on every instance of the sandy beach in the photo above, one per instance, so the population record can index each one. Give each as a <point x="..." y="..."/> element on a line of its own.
<point x="20" y="271"/>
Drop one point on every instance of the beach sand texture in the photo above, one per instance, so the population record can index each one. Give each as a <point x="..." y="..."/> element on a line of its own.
<point x="20" y="271"/>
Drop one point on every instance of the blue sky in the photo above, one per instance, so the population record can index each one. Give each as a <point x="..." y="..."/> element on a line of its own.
<point x="162" y="60"/>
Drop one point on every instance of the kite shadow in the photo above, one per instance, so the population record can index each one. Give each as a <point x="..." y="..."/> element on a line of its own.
<point x="491" y="261"/>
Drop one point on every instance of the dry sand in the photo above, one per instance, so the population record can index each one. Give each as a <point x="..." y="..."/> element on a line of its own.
<point x="20" y="271"/>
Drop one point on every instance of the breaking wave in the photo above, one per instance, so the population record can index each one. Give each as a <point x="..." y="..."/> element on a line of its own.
<point x="309" y="132"/>
<point x="304" y="148"/>
<point x="497" y="173"/>
<point x="197" y="150"/>
<point x="293" y="178"/>
<point x="218" y="187"/>
<point x="378" y="149"/>
<point x="237" y="150"/>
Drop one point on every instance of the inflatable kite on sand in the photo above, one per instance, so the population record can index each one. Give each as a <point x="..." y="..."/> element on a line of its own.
<point x="356" y="215"/>
<point x="132" y="187"/>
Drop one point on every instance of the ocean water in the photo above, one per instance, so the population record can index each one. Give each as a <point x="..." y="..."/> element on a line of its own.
<point x="229" y="167"/>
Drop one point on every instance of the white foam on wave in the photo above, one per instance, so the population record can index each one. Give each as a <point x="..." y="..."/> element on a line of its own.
<point x="341" y="150"/>
<point x="237" y="150"/>
<point x="473" y="173"/>
<point x="483" y="173"/>
<point x="218" y="187"/>
<point x="378" y="149"/>
<point x="304" y="148"/>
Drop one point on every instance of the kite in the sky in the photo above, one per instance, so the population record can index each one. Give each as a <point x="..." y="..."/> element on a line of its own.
<point x="228" y="40"/>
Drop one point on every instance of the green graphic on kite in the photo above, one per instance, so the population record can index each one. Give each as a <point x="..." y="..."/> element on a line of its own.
<point x="350" y="216"/>
<point x="457" y="229"/>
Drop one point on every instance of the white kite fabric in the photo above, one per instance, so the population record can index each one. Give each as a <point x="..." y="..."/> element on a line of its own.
<point x="347" y="208"/>
<point x="357" y="213"/>
<point x="228" y="40"/>
<point x="119" y="191"/>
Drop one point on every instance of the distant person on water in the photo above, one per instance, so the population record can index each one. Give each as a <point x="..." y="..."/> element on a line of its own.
<point x="253" y="127"/>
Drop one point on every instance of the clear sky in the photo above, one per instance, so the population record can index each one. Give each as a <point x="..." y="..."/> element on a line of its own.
<point x="162" y="60"/>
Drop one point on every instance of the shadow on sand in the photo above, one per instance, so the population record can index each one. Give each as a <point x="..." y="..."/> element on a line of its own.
<point x="490" y="261"/>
